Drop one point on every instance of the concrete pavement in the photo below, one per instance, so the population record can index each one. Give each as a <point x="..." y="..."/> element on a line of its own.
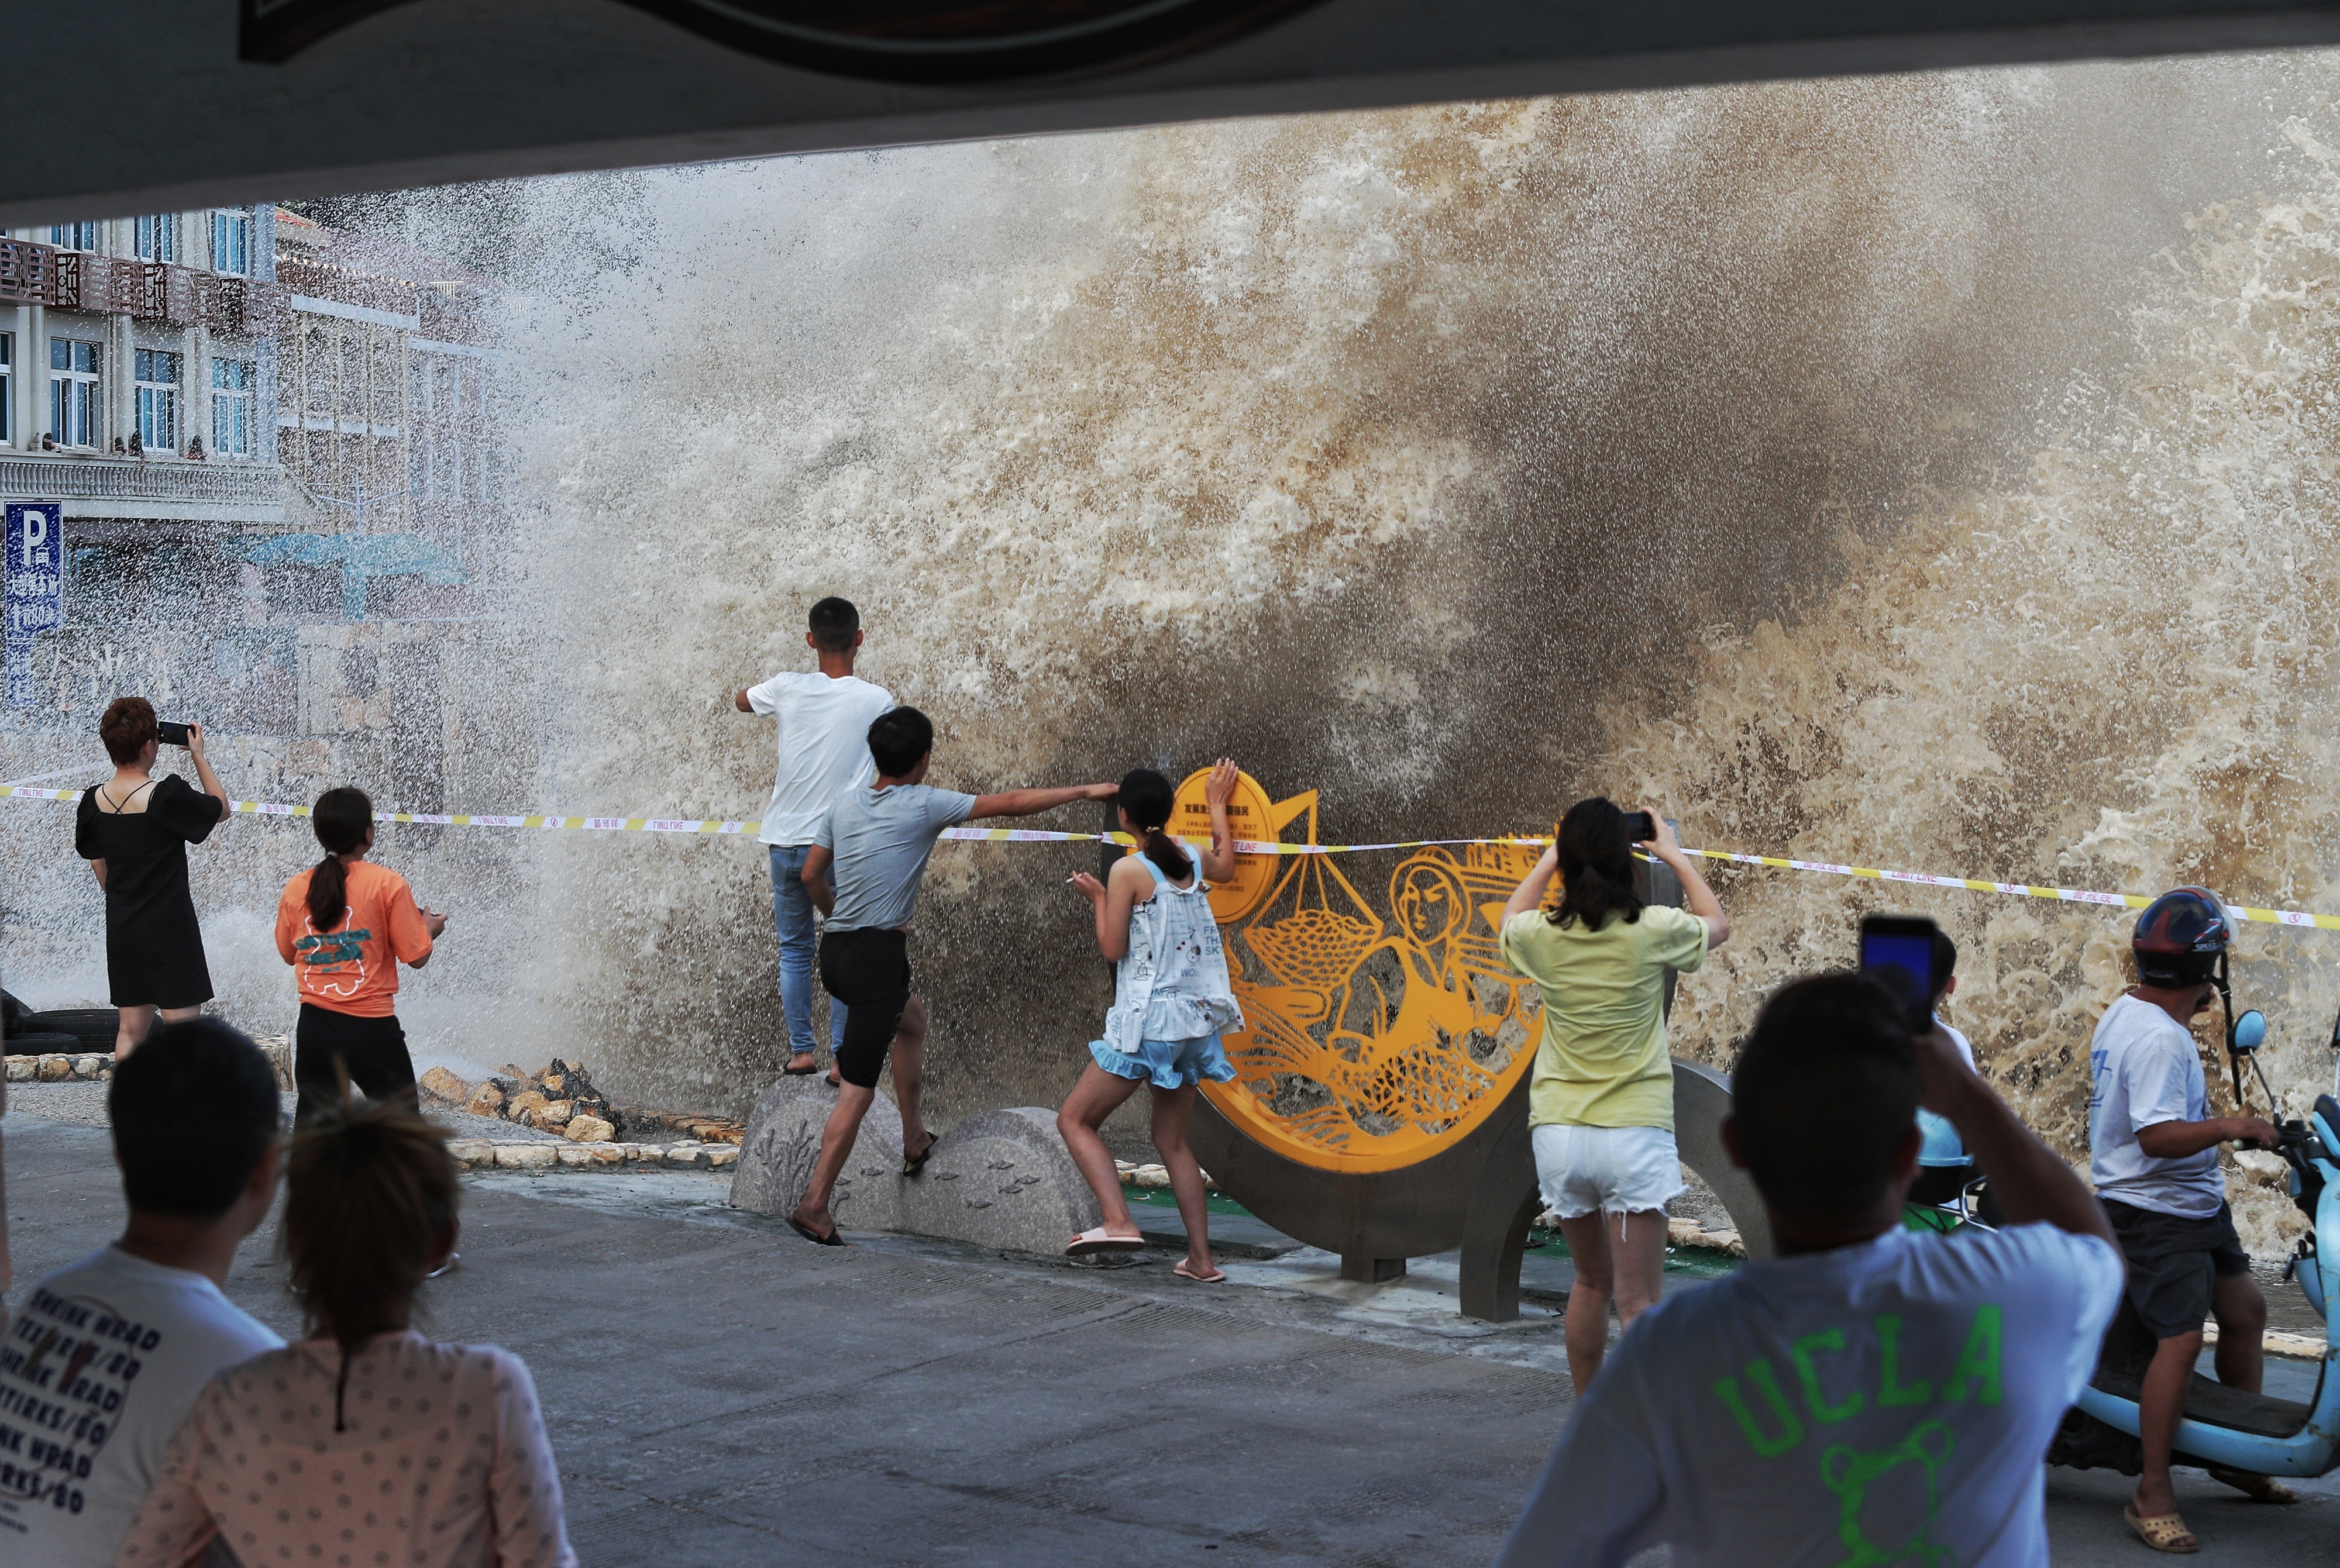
<point x="720" y="1393"/>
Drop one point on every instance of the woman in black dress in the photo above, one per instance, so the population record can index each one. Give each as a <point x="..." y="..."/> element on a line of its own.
<point x="134" y="830"/>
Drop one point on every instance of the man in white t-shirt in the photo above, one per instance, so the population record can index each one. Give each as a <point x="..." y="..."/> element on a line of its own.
<point x="105" y="1357"/>
<point x="2153" y="1149"/>
<point x="1872" y="1394"/>
<point x="824" y="725"/>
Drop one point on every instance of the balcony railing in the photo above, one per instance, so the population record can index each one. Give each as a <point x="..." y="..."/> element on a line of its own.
<point x="111" y="479"/>
<point x="36" y="274"/>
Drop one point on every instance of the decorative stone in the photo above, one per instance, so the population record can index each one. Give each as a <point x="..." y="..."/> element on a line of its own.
<point x="525" y="1156"/>
<point x="55" y="1069"/>
<point x="522" y="1106"/>
<point x="783" y="1139"/>
<point x="1151" y="1175"/>
<point x="90" y="1066"/>
<point x="443" y="1085"/>
<point x="21" y="1068"/>
<point x="722" y="1157"/>
<point x="588" y="1129"/>
<point x="473" y="1151"/>
<point x="487" y="1099"/>
<point x="555" y="1115"/>
<point x="693" y="1155"/>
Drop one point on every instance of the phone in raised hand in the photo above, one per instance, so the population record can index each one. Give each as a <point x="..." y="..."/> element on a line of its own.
<point x="1898" y="949"/>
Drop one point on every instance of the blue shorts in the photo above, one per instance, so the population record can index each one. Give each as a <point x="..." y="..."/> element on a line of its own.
<point x="1167" y="1063"/>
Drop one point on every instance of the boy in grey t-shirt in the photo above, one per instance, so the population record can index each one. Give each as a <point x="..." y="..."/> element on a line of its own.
<point x="863" y="872"/>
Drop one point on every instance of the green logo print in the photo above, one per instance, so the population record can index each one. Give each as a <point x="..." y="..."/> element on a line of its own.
<point x="1848" y="1475"/>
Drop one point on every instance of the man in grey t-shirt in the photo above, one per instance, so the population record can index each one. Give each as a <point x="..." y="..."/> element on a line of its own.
<point x="863" y="872"/>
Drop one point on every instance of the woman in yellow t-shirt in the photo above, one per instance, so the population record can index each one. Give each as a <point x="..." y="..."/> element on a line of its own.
<point x="1601" y="1097"/>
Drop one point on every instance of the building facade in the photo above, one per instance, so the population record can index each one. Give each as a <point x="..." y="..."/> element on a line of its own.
<point x="273" y="444"/>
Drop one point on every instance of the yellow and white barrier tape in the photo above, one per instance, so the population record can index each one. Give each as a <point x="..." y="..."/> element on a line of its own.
<point x="1246" y="847"/>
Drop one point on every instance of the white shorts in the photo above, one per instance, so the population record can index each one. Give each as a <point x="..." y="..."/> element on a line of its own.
<point x="1613" y="1170"/>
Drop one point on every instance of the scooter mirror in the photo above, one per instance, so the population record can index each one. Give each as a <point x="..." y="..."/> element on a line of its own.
<point x="2250" y="1031"/>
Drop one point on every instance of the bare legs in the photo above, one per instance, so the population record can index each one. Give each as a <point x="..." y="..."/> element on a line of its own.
<point x="1627" y="1271"/>
<point x="137" y="1022"/>
<point x="1098" y="1095"/>
<point x="2161" y="1400"/>
<point x="853" y="1101"/>
<point x="2242" y="1314"/>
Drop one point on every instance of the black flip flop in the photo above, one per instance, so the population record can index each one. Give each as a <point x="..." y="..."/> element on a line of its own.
<point x="815" y="1236"/>
<point x="801" y="1072"/>
<point x="912" y="1167"/>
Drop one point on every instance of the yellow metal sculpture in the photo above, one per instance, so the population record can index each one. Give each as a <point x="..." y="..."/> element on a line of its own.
<point x="1378" y="1035"/>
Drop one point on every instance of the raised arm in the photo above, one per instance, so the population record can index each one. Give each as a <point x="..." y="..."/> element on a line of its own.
<point x="1026" y="803"/>
<point x="1219" y="860"/>
<point x="739" y="700"/>
<point x="1530" y="894"/>
<point x="1696" y="895"/>
<point x="212" y="785"/>
<point x="2029" y="1179"/>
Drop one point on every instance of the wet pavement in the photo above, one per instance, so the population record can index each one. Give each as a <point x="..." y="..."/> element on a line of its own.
<point x="722" y="1393"/>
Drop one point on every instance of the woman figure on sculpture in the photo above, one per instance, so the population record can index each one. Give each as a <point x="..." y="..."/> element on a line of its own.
<point x="1171" y="1004"/>
<point x="134" y="830"/>
<point x="345" y="925"/>
<point x="443" y="1445"/>
<point x="1601" y="1097"/>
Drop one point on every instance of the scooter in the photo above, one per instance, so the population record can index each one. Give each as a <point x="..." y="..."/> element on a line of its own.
<point x="2222" y="1425"/>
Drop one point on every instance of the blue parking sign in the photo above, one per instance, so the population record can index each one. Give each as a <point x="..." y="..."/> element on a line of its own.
<point x="32" y="569"/>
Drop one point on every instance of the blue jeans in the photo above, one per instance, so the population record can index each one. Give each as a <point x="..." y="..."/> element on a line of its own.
<point x="793" y="917"/>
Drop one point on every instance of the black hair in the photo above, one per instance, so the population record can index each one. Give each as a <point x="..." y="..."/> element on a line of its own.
<point x="1945" y="964"/>
<point x="340" y="817"/>
<point x="194" y="1110"/>
<point x="370" y="1195"/>
<point x="832" y="622"/>
<point x="1825" y="1091"/>
<point x="1596" y="866"/>
<point x="899" y="738"/>
<point x="1148" y="797"/>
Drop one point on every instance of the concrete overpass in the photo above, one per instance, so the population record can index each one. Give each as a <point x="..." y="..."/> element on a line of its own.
<point x="188" y="102"/>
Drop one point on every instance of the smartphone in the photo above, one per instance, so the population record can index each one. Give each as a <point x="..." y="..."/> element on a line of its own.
<point x="1640" y="827"/>
<point x="1898" y="949"/>
<point x="170" y="734"/>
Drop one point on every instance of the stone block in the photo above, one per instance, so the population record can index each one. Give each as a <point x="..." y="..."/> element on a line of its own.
<point x="688" y="1156"/>
<point x="55" y="1069"/>
<point x="473" y="1152"/>
<point x="91" y="1066"/>
<point x="555" y="1115"/>
<point x="722" y="1157"/>
<point x="574" y="1154"/>
<point x="998" y="1179"/>
<point x="22" y="1068"/>
<point x="588" y="1129"/>
<point x="487" y="1099"/>
<point x="525" y="1156"/>
<point x="783" y="1139"/>
<point x="440" y="1084"/>
<point x="523" y="1106"/>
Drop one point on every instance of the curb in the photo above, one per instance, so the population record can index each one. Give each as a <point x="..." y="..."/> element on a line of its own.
<point x="478" y="1154"/>
<point x="60" y="1069"/>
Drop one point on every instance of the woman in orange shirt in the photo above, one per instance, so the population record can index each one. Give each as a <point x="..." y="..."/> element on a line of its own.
<point x="345" y="925"/>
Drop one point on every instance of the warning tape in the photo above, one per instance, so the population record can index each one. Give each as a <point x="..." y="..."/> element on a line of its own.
<point x="1243" y="846"/>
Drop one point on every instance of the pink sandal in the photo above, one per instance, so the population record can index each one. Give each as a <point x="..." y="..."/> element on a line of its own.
<point x="1101" y="1240"/>
<point x="1215" y="1276"/>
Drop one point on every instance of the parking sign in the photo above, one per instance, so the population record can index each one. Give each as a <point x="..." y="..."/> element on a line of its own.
<point x="32" y="569"/>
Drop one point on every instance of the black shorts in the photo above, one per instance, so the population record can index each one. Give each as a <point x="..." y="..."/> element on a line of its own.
<point x="869" y="972"/>
<point x="2173" y="1261"/>
<point x="371" y="1050"/>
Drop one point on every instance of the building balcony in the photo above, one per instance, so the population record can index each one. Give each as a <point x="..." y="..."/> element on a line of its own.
<point x="164" y="489"/>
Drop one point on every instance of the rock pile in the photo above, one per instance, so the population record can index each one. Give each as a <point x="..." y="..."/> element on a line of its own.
<point x="561" y="1100"/>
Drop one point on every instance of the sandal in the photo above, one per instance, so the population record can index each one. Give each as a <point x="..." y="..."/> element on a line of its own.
<point x="1215" y="1276"/>
<point x="2258" y="1488"/>
<point x="801" y="1072"/>
<point x="2162" y="1532"/>
<point x="1101" y="1240"/>
<point x="912" y="1167"/>
<point x="815" y="1236"/>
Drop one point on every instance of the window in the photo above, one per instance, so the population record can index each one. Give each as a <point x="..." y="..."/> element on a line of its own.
<point x="232" y="408"/>
<point x="72" y="392"/>
<point x="82" y="236"/>
<point x="158" y="399"/>
<point x="7" y="385"/>
<point x="156" y="239"/>
<point x="231" y="242"/>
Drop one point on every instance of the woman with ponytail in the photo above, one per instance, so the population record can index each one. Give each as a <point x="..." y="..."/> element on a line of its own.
<point x="366" y="1442"/>
<point x="345" y="925"/>
<point x="1600" y="1098"/>
<point x="1171" y="1004"/>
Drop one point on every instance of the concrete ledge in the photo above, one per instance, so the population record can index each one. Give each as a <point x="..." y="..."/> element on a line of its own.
<point x="478" y="1154"/>
<point x="998" y="1179"/>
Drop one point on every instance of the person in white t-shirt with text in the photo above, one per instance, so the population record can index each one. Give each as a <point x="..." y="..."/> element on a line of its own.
<point x="824" y="724"/>
<point x="106" y="1355"/>
<point x="1872" y="1393"/>
<point x="2154" y="1151"/>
